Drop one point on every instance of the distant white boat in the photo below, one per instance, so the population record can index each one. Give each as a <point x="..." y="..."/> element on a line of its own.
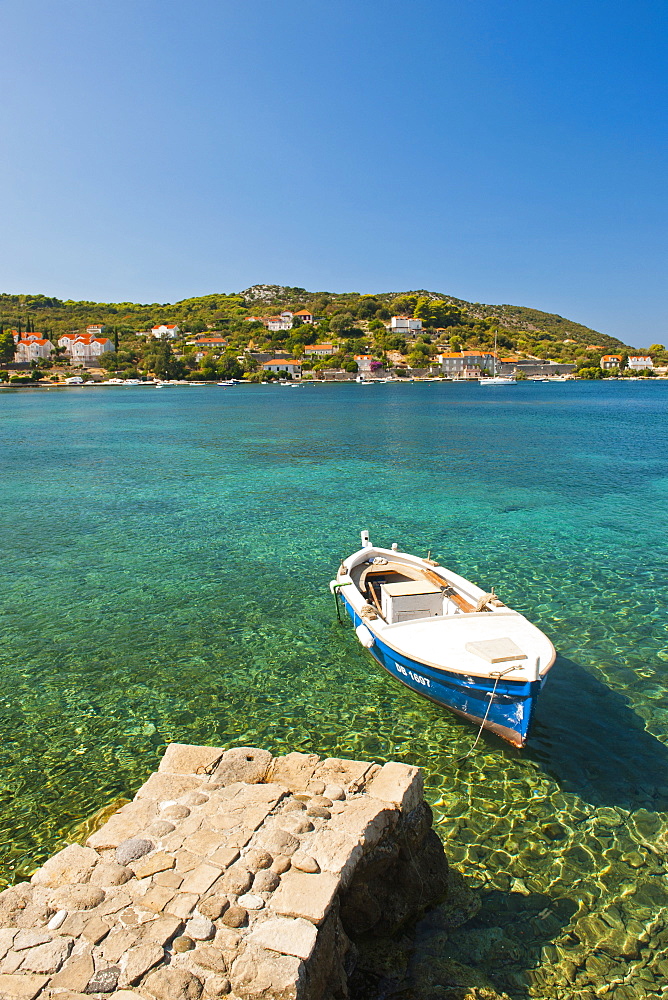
<point x="228" y="381"/>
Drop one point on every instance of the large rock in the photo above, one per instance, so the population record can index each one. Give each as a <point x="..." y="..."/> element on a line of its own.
<point x="304" y="895"/>
<point x="75" y="974"/>
<point x="184" y="758"/>
<point x="173" y="984"/>
<point x="110" y="873"/>
<point x="264" y="974"/>
<point x="30" y="939"/>
<point x="399" y="784"/>
<point x="104" y="980"/>
<point x="13" y="902"/>
<point x="79" y="897"/>
<point x="21" y="987"/>
<point x="47" y="958"/>
<point x="137" y="962"/>
<point x="294" y="771"/>
<point x="247" y="764"/>
<point x="289" y="937"/>
<point x="210" y="958"/>
<point x="74" y="864"/>
<point x="348" y="775"/>
<point x="365" y="820"/>
<point x="133" y="849"/>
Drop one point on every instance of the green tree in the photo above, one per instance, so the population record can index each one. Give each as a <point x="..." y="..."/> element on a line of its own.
<point x="403" y="305"/>
<point x="229" y="367"/>
<point x="342" y="323"/>
<point x="163" y="363"/>
<point x="6" y="346"/>
<point x="656" y="349"/>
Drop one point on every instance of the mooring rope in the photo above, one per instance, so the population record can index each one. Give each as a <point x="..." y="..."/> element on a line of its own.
<point x="501" y="674"/>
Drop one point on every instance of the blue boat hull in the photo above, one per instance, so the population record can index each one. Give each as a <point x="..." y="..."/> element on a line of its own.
<point x="512" y="702"/>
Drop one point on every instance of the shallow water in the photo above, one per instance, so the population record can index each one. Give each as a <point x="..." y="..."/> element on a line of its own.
<point x="166" y="560"/>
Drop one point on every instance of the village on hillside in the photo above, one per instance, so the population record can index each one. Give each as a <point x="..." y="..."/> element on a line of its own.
<point x="428" y="338"/>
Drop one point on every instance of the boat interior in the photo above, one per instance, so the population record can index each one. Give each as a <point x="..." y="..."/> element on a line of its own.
<point x="399" y="592"/>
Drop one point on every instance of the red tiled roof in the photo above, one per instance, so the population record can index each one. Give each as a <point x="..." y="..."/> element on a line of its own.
<point x="281" y="361"/>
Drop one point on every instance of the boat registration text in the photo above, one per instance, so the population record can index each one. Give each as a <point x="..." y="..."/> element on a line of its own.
<point x="413" y="676"/>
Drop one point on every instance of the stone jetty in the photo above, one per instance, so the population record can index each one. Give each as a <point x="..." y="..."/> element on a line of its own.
<point x="232" y="873"/>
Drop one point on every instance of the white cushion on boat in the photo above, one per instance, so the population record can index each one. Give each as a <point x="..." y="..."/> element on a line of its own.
<point x="496" y="650"/>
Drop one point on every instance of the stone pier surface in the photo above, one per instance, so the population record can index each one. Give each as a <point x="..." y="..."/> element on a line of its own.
<point x="233" y="874"/>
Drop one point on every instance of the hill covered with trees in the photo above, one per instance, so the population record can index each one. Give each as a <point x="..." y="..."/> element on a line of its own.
<point x="355" y="323"/>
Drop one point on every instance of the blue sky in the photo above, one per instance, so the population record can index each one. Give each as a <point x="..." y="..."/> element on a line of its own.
<point x="506" y="151"/>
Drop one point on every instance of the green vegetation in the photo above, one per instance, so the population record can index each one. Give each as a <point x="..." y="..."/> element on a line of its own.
<point x="353" y="323"/>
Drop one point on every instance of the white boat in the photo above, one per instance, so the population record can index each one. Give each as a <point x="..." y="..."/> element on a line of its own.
<point x="444" y="637"/>
<point x="498" y="380"/>
<point x="228" y="381"/>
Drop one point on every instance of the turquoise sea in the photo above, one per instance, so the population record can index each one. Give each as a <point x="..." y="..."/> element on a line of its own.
<point x="166" y="557"/>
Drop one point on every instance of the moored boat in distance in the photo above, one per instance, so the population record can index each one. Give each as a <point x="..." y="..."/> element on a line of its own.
<point x="446" y="638"/>
<point x="498" y="380"/>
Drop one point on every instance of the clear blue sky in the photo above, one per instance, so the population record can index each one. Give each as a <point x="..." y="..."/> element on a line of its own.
<point x="497" y="150"/>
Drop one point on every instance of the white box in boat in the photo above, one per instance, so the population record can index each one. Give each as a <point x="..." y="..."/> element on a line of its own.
<point x="401" y="602"/>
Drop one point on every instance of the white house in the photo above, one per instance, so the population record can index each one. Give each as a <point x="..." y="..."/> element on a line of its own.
<point x="168" y="331"/>
<point x="320" y="350"/>
<point x="282" y="322"/>
<point x="68" y="339"/>
<point x="640" y="361"/>
<point x="95" y="329"/>
<point x="283" y="365"/>
<point x="612" y="361"/>
<point x="364" y="362"/>
<point x="405" y="324"/>
<point x="84" y="348"/>
<point x="87" y="349"/>
<point x="304" y="316"/>
<point x="31" y="350"/>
